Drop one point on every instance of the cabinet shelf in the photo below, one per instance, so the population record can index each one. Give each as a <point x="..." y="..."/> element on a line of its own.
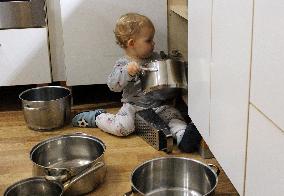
<point x="179" y="7"/>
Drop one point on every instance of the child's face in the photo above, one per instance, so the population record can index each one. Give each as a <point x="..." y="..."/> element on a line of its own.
<point x="144" y="44"/>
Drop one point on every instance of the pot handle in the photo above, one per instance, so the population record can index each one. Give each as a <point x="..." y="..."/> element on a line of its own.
<point x="57" y="174"/>
<point x="169" y="143"/>
<point x="128" y="193"/>
<point x="215" y="167"/>
<point x="85" y="172"/>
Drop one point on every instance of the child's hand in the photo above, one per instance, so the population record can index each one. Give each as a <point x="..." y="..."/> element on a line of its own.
<point x="133" y="68"/>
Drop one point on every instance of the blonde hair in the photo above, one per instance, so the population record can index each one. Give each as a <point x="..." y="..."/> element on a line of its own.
<point x="128" y="26"/>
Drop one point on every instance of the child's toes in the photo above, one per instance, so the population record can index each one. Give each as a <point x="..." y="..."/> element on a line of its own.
<point x="79" y="120"/>
<point x="83" y="119"/>
<point x="86" y="119"/>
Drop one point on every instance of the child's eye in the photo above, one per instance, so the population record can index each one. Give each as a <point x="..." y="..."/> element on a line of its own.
<point x="149" y="41"/>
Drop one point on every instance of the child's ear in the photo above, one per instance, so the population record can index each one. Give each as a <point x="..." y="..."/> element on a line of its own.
<point x="130" y="42"/>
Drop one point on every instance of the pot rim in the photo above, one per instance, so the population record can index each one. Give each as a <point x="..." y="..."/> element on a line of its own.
<point x="12" y="186"/>
<point x="183" y="158"/>
<point x="64" y="136"/>
<point x="42" y="87"/>
<point x="159" y="60"/>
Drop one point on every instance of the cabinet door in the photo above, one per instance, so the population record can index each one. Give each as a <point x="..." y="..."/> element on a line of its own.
<point x="265" y="158"/>
<point x="268" y="59"/>
<point x="24" y="57"/>
<point x="231" y="51"/>
<point x="199" y="55"/>
<point x="55" y="40"/>
<point x="89" y="43"/>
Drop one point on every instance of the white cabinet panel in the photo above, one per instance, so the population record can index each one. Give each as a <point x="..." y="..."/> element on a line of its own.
<point x="268" y="59"/>
<point x="231" y="46"/>
<point x="265" y="160"/>
<point x="24" y="57"/>
<point x="199" y="55"/>
<point x="89" y="43"/>
<point x="56" y="40"/>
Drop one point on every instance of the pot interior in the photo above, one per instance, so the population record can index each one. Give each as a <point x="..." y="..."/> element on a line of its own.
<point x="174" y="176"/>
<point x="69" y="151"/>
<point x="47" y="93"/>
<point x="34" y="187"/>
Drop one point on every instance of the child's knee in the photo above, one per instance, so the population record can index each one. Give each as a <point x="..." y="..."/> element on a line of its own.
<point x="125" y="130"/>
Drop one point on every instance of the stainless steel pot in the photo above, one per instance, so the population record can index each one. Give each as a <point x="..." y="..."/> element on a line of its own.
<point x="173" y="176"/>
<point x="75" y="157"/>
<point x="46" y="108"/>
<point x="163" y="78"/>
<point x="35" y="186"/>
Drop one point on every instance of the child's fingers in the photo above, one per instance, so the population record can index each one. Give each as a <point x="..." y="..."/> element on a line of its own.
<point x="133" y="68"/>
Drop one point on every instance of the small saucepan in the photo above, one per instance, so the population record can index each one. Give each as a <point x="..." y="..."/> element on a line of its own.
<point x="37" y="186"/>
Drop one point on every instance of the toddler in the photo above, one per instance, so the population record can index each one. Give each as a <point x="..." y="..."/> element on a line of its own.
<point x="134" y="33"/>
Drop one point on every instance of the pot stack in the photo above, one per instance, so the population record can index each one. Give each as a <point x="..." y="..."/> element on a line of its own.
<point x="69" y="164"/>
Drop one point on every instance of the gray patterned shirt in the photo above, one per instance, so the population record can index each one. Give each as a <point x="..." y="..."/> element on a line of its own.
<point x="119" y="80"/>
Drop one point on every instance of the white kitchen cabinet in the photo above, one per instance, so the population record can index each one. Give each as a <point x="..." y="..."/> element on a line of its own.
<point x="245" y="92"/>
<point x="199" y="53"/>
<point x="24" y="57"/>
<point x="230" y="77"/>
<point x="264" y="157"/>
<point x="268" y="59"/>
<point x="219" y="76"/>
<point x="89" y="44"/>
<point x="56" y="40"/>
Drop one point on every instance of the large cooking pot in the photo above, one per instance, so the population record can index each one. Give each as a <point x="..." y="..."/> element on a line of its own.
<point x="47" y="107"/>
<point x="173" y="176"/>
<point x="163" y="78"/>
<point x="66" y="157"/>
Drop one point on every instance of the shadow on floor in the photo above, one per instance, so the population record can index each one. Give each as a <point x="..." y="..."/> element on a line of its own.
<point x="9" y="96"/>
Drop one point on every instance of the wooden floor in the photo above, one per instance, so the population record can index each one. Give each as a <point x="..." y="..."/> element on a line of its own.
<point x="121" y="157"/>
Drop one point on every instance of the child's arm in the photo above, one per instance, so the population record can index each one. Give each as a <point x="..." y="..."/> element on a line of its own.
<point x="119" y="77"/>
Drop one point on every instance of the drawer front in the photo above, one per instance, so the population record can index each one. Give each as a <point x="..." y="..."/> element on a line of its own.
<point x="24" y="57"/>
